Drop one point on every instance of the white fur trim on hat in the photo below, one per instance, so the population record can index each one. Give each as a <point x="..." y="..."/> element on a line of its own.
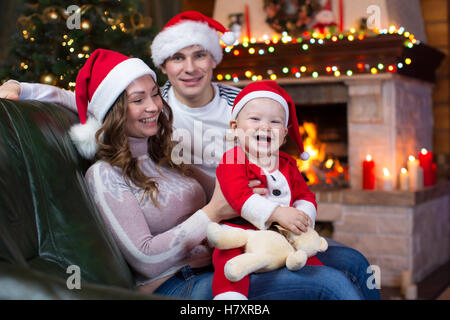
<point x="228" y="38"/>
<point x="185" y="34"/>
<point x="304" y="156"/>
<point x="83" y="136"/>
<point x="261" y="94"/>
<point x="115" y="83"/>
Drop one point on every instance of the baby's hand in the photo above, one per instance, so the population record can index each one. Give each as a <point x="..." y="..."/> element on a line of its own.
<point x="291" y="219"/>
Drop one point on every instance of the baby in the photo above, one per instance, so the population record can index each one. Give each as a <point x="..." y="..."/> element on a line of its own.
<point x="263" y="114"/>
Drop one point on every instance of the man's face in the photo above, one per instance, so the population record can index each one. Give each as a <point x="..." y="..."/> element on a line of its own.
<point x="190" y="72"/>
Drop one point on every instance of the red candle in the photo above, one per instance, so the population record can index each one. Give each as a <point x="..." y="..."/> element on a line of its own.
<point x="368" y="173"/>
<point x="247" y="21"/>
<point x="426" y="162"/>
<point x="341" y="15"/>
<point x="434" y="170"/>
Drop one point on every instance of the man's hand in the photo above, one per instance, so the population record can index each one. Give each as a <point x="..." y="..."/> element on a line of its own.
<point x="292" y="219"/>
<point x="10" y="90"/>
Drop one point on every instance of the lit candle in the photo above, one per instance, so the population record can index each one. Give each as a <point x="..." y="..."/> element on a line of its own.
<point x="426" y="162"/>
<point x="415" y="173"/>
<point x="387" y="180"/>
<point x="368" y="173"/>
<point x="404" y="179"/>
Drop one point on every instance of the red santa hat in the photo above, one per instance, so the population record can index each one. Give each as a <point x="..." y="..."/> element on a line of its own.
<point x="104" y="76"/>
<point x="270" y="89"/>
<point x="187" y="29"/>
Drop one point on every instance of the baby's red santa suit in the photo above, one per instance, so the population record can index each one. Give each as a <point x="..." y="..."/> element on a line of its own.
<point x="285" y="184"/>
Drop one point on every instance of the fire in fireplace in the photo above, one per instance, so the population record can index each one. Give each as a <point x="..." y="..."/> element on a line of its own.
<point x="324" y="132"/>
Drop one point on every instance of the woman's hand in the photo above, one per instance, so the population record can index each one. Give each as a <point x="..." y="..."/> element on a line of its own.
<point x="292" y="219"/>
<point x="10" y="90"/>
<point x="218" y="208"/>
<point x="254" y="184"/>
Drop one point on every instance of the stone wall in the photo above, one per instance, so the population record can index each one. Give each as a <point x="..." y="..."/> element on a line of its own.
<point x="390" y="118"/>
<point x="395" y="230"/>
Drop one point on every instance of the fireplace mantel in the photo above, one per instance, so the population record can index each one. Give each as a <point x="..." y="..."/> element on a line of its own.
<point x="359" y="56"/>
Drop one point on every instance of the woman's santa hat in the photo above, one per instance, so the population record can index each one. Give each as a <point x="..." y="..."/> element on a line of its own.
<point x="187" y="29"/>
<point x="270" y="89"/>
<point x="104" y="76"/>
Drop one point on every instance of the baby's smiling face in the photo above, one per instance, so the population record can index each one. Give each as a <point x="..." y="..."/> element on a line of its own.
<point x="260" y="127"/>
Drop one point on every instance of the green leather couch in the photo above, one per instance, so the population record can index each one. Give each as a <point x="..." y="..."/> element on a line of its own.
<point x="48" y="221"/>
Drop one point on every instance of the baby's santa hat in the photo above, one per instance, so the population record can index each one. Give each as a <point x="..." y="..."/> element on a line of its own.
<point x="270" y="89"/>
<point x="187" y="29"/>
<point x="101" y="80"/>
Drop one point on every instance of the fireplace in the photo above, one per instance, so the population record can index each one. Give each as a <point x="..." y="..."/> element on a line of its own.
<point x="361" y="94"/>
<point x="389" y="116"/>
<point x="324" y="132"/>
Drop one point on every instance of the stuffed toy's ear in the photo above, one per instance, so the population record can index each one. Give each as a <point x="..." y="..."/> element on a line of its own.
<point x="285" y="232"/>
<point x="323" y="245"/>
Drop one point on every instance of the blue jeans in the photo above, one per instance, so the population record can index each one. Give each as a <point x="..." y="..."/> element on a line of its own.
<point x="344" y="277"/>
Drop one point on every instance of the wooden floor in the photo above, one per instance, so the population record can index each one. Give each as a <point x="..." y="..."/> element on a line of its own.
<point x="435" y="287"/>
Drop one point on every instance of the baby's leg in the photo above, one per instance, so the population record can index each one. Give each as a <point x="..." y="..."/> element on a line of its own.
<point x="224" y="289"/>
<point x="240" y="266"/>
<point x="224" y="237"/>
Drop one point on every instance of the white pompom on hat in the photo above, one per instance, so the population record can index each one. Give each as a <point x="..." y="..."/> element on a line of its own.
<point x="187" y="29"/>
<point x="101" y="80"/>
<point x="270" y="89"/>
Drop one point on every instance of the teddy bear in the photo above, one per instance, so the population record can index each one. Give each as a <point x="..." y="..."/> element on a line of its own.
<point x="265" y="250"/>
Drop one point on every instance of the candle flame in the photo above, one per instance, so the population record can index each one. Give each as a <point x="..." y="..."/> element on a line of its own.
<point x="423" y="151"/>
<point x="403" y="171"/>
<point x="369" y="157"/>
<point x="386" y="172"/>
<point x="411" y="158"/>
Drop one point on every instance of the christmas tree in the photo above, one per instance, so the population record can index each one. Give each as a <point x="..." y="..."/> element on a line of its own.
<point x="54" y="38"/>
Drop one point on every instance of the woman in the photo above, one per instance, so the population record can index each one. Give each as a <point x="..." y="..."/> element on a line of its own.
<point x="155" y="211"/>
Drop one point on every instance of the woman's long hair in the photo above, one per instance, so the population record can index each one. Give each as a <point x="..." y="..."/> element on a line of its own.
<point x="114" y="148"/>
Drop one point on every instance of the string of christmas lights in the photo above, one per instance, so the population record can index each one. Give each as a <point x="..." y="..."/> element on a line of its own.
<point x="47" y="50"/>
<point x="269" y="46"/>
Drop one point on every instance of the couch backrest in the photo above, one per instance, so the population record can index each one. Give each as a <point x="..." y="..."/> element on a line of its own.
<point x="48" y="219"/>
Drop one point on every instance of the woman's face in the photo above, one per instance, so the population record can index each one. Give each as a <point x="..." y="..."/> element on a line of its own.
<point x="144" y="107"/>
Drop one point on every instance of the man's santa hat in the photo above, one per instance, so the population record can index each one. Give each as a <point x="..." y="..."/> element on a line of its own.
<point x="270" y="89"/>
<point x="187" y="29"/>
<point x="101" y="80"/>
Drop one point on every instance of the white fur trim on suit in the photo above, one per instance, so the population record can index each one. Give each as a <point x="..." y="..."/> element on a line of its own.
<point x="115" y="83"/>
<point x="257" y="211"/>
<point x="83" y="136"/>
<point x="308" y="208"/>
<point x="230" y="295"/>
<point x="185" y="34"/>
<point x="261" y="94"/>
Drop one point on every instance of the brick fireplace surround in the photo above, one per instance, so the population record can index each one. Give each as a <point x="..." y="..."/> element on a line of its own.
<point x="390" y="117"/>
